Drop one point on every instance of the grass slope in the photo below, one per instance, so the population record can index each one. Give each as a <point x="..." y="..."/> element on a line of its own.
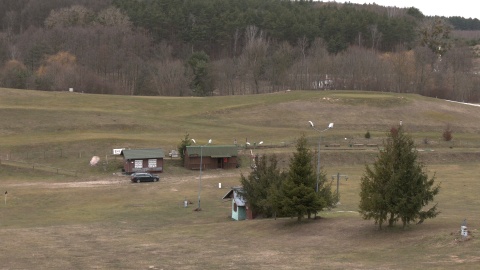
<point x="32" y="118"/>
<point x="99" y="220"/>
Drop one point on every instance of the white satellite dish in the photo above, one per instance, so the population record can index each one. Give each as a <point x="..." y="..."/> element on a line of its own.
<point x="193" y="140"/>
<point x="311" y="123"/>
<point x="330" y="125"/>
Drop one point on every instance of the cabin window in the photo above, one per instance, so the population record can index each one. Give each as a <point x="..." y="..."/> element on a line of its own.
<point x="152" y="163"/>
<point x="235" y="207"/>
<point x="138" y="164"/>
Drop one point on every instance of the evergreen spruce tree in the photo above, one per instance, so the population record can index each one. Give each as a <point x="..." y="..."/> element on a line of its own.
<point x="202" y="81"/>
<point x="298" y="193"/>
<point x="396" y="187"/>
<point x="261" y="186"/>
<point x="186" y="141"/>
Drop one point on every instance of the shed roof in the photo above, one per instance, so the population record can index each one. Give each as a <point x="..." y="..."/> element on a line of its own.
<point x="142" y="153"/>
<point x="215" y="151"/>
<point x="235" y="194"/>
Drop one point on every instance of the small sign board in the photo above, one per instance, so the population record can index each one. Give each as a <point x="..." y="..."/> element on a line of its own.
<point x="118" y="151"/>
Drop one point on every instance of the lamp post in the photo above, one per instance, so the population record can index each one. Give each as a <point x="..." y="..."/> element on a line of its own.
<point x="253" y="156"/>
<point x="319" y="142"/>
<point x="254" y="144"/>
<point x="201" y="165"/>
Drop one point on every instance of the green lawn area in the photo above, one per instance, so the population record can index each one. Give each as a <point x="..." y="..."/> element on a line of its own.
<point x="98" y="219"/>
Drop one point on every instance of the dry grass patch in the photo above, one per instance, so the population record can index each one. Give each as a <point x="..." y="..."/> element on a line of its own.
<point x="110" y="223"/>
<point x="99" y="220"/>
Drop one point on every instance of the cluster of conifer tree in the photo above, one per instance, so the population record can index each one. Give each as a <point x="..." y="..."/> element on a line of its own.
<point x="395" y="188"/>
<point x="272" y="192"/>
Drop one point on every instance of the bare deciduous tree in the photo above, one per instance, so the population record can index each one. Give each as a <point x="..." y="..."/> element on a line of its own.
<point x="424" y="59"/>
<point x="71" y="16"/>
<point x="168" y="78"/>
<point x="254" y="56"/>
<point x="112" y="16"/>
<point x="459" y="64"/>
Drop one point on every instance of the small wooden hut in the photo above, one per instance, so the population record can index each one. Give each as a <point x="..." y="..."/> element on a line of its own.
<point x="143" y="160"/>
<point x="211" y="157"/>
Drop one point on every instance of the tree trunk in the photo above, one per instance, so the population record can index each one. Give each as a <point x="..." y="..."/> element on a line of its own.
<point x="391" y="220"/>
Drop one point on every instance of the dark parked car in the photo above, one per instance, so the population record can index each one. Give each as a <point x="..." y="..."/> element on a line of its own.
<point x="144" y="177"/>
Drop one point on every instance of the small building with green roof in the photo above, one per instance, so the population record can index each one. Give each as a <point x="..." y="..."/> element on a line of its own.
<point x="211" y="157"/>
<point x="143" y="160"/>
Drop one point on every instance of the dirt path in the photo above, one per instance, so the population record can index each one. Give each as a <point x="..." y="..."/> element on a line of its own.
<point x="118" y="179"/>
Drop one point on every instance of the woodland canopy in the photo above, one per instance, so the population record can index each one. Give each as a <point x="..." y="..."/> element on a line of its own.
<point x="234" y="47"/>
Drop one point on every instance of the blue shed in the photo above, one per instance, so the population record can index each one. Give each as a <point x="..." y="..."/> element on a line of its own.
<point x="240" y="210"/>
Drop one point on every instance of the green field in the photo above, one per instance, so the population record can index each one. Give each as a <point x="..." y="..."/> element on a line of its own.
<point x="96" y="219"/>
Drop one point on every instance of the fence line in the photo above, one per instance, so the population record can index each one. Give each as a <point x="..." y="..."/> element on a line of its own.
<point x="59" y="153"/>
<point x="37" y="166"/>
<point x="29" y="159"/>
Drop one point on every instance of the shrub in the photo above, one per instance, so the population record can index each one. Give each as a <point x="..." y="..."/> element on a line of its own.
<point x="367" y="135"/>
<point x="447" y="133"/>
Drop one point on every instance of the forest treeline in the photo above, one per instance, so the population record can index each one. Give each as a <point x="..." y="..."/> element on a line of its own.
<point x="233" y="47"/>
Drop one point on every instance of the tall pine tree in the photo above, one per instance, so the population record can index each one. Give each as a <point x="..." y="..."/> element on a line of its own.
<point x="261" y="186"/>
<point x="396" y="187"/>
<point x="299" y="196"/>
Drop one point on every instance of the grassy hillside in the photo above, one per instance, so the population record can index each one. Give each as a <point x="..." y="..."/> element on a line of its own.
<point x="99" y="220"/>
<point x="38" y="125"/>
<point x="31" y="118"/>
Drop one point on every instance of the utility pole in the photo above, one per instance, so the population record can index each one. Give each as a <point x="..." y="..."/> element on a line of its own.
<point x="338" y="184"/>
